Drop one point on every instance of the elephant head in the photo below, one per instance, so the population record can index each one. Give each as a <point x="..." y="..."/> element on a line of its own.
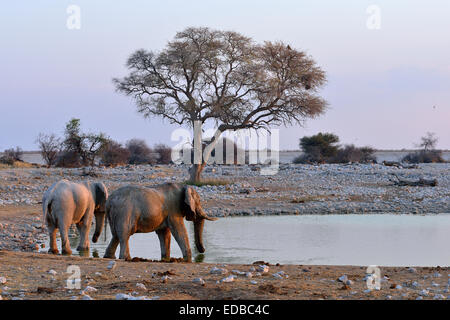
<point x="193" y="211"/>
<point x="101" y="195"/>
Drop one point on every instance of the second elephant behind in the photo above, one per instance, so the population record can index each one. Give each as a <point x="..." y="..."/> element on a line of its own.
<point x="134" y="209"/>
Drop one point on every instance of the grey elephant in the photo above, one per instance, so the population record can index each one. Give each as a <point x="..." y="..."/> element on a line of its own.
<point x="134" y="209"/>
<point x="66" y="203"/>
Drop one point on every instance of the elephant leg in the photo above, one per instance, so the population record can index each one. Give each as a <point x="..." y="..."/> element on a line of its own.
<point x="180" y="234"/>
<point x="84" y="233"/>
<point x="124" y="248"/>
<point x="52" y="233"/>
<point x="83" y="228"/>
<point x="64" y="230"/>
<point x="164" y="241"/>
<point x="112" y="247"/>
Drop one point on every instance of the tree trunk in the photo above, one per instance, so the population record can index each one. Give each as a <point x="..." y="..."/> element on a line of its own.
<point x="195" y="172"/>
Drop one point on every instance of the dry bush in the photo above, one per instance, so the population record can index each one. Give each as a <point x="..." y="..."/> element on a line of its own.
<point x="50" y="146"/>
<point x="140" y="152"/>
<point x="164" y="153"/>
<point x="68" y="159"/>
<point x="114" y="154"/>
<point x="350" y="153"/>
<point x="11" y="155"/>
<point x="424" y="156"/>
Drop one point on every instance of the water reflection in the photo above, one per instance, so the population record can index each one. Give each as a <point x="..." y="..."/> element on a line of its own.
<point x="399" y="240"/>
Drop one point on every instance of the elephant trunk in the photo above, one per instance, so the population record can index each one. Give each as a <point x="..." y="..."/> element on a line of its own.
<point x="198" y="233"/>
<point x="99" y="223"/>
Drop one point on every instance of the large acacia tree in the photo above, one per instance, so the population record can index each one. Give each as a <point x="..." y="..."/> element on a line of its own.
<point x="224" y="76"/>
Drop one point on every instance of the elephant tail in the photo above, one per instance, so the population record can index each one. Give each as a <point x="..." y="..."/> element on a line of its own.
<point x="47" y="210"/>
<point x="106" y="223"/>
<point x="107" y="218"/>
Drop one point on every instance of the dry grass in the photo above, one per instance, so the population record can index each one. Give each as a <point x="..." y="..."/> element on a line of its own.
<point x="208" y="182"/>
<point x="17" y="164"/>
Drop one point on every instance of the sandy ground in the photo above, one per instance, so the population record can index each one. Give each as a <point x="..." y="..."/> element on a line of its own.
<point x="26" y="276"/>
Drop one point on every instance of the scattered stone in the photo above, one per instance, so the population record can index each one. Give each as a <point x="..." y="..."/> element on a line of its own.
<point x="52" y="272"/>
<point x="2" y="280"/>
<point x="439" y="297"/>
<point x="262" y="268"/>
<point x="89" y="289"/>
<point x="343" y="278"/>
<point x="237" y="272"/>
<point x="141" y="286"/>
<point x="86" y="297"/>
<point x="228" y="279"/>
<point x="419" y="298"/>
<point x="111" y="265"/>
<point x="254" y="282"/>
<point x="216" y="270"/>
<point x="165" y="279"/>
<point x="199" y="281"/>
<point x="412" y="270"/>
<point x="280" y="275"/>
<point x="248" y="274"/>
<point x="424" y="293"/>
<point x="123" y="296"/>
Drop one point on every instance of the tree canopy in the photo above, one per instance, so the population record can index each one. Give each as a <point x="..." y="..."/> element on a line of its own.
<point x="224" y="76"/>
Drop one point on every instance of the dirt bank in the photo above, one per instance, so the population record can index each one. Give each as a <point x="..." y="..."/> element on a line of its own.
<point x="26" y="275"/>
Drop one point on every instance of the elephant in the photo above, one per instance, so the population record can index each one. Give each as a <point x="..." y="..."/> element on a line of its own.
<point x="136" y="209"/>
<point x="66" y="203"/>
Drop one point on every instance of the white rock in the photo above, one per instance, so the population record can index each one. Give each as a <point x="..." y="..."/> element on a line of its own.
<point x="343" y="278"/>
<point x="437" y="275"/>
<point x="434" y="284"/>
<point x="237" y="272"/>
<point x="52" y="272"/>
<point x="389" y="297"/>
<point x="415" y="284"/>
<point x="199" y="281"/>
<point x="90" y="289"/>
<point x="254" y="282"/>
<point x="112" y="265"/>
<point x="438" y="297"/>
<point x="216" y="270"/>
<point x="2" y="280"/>
<point x="412" y="270"/>
<point x="122" y="296"/>
<point x="424" y="293"/>
<point x="141" y="286"/>
<point x="419" y="298"/>
<point x="137" y="298"/>
<point x="86" y="297"/>
<point x="248" y="274"/>
<point x="228" y="279"/>
<point x="262" y="268"/>
<point x="367" y="291"/>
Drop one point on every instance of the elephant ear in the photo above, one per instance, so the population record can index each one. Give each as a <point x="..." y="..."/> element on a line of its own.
<point x="190" y="202"/>
<point x="101" y="194"/>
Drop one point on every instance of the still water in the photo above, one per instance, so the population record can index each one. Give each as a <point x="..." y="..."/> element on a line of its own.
<point x="388" y="240"/>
